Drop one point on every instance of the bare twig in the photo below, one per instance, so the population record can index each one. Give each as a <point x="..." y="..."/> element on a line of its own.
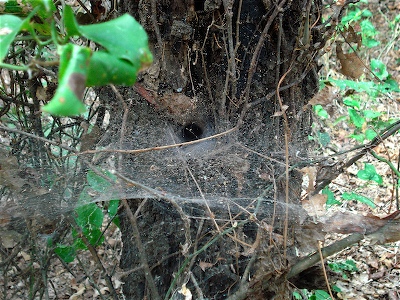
<point x="384" y="134"/>
<point x="324" y="270"/>
<point x="142" y="253"/>
<point x="96" y="258"/>
<point x="256" y="54"/>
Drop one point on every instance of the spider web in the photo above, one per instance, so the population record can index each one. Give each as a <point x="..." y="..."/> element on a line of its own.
<point x="197" y="163"/>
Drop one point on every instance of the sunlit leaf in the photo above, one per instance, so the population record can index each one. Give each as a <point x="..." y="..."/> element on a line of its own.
<point x="321" y="295"/>
<point x="105" y="68"/>
<point x="331" y="197"/>
<point x="355" y="117"/>
<point x="369" y="173"/>
<point x="70" y="23"/>
<point x="379" y="69"/>
<point x="359" y="198"/>
<point x="9" y="28"/>
<point x="370" y="134"/>
<point x="89" y="215"/>
<point x="320" y="111"/>
<point x="371" y="114"/>
<point x="123" y="37"/>
<point x="349" y="101"/>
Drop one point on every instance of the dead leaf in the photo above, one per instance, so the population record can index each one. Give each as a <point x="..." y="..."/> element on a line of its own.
<point x="352" y="65"/>
<point x="315" y="206"/>
<point x="311" y="173"/>
<point x="205" y="265"/>
<point x="351" y="36"/>
<point x="281" y="112"/>
<point x="324" y="96"/>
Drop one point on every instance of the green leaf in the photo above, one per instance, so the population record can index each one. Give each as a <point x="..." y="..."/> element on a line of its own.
<point x="99" y="183"/>
<point x="358" y="137"/>
<point x="371" y="114"/>
<point x="370" y="134"/>
<point x="105" y="68"/>
<point x="368" y="29"/>
<point x="350" y="101"/>
<point x="379" y="69"/>
<point x="321" y="295"/>
<point x="320" y="111"/>
<point x="123" y="38"/>
<point x="336" y="289"/>
<point x="348" y="265"/>
<point x="70" y="23"/>
<point x="113" y="208"/>
<point x="368" y="87"/>
<point x="366" y="13"/>
<point x="94" y="235"/>
<point x="356" y="118"/>
<point x="390" y="85"/>
<point x="46" y="8"/>
<point x="89" y="216"/>
<point x="352" y="15"/>
<point x="323" y="138"/>
<point x="331" y="197"/>
<point x="359" y="198"/>
<point x="74" y="62"/>
<point x="66" y="253"/>
<point x="12" y="7"/>
<point x="369" y="173"/>
<point x="370" y="42"/>
<point x="9" y="28"/>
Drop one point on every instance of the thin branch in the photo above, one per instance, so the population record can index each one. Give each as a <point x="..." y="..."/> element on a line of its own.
<point x="324" y="270"/>
<point x="96" y="258"/>
<point x="311" y="260"/>
<point x="384" y="134"/>
<point x="256" y="54"/>
<point x="158" y="148"/>
<point x="141" y="251"/>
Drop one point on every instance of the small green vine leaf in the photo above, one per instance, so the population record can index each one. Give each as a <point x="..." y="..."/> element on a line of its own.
<point x="369" y="173"/>
<point x="359" y="198"/>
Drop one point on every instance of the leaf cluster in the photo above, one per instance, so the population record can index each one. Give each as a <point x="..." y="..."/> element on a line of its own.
<point x="124" y="51"/>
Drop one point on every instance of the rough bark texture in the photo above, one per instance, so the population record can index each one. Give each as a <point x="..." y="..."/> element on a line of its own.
<point x="217" y="66"/>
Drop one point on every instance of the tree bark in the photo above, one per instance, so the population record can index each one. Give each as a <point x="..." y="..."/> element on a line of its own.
<point x="245" y="65"/>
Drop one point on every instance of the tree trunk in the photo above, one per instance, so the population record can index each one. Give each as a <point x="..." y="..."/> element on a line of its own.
<point x="227" y="223"/>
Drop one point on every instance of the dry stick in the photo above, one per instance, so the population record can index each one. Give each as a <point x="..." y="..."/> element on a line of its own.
<point x="232" y="55"/>
<point x="254" y="59"/>
<point x="324" y="270"/>
<point x="155" y="148"/>
<point x="286" y="135"/>
<point x="97" y="260"/>
<point x="133" y="217"/>
<point x="142" y="253"/>
<point x="160" y="195"/>
<point x="384" y="134"/>
<point x="311" y="260"/>
<point x="87" y="276"/>
<point x="203" y="62"/>
<point x="155" y="25"/>
<point x="197" y="287"/>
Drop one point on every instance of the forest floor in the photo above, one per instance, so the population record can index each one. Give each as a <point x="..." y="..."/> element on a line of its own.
<point x="377" y="272"/>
